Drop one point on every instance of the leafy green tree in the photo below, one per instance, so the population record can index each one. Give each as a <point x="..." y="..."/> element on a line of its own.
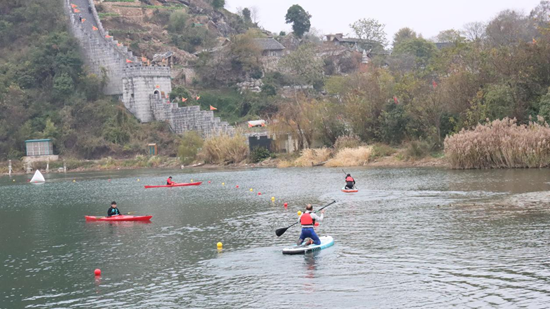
<point x="304" y="66"/>
<point x="177" y="21"/>
<point x="421" y="49"/>
<point x="299" y="18"/>
<point x="246" y="16"/>
<point x="403" y="35"/>
<point x="189" y="146"/>
<point x="218" y="4"/>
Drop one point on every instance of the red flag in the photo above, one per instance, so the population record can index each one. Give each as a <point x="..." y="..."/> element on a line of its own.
<point x="76" y="10"/>
<point x="395" y="100"/>
<point x="83" y="20"/>
<point x="128" y="61"/>
<point x="94" y="28"/>
<point x="198" y="97"/>
<point x="183" y="99"/>
<point x="73" y="6"/>
<point x="434" y="84"/>
<point x="212" y="108"/>
<point x="108" y="36"/>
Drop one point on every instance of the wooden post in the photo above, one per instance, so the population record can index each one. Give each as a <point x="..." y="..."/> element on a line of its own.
<point x="9" y="167"/>
<point x="48" y="167"/>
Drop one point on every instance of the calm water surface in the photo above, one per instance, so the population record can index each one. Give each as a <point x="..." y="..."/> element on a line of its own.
<point x="403" y="241"/>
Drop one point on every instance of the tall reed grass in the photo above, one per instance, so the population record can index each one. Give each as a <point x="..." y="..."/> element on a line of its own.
<point x="311" y="157"/>
<point x="224" y="149"/>
<point x="500" y="144"/>
<point x="351" y="157"/>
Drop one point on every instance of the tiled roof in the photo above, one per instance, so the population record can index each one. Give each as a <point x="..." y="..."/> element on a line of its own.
<point x="268" y="44"/>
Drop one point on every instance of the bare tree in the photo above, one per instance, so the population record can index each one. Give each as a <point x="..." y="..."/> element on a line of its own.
<point x="474" y="31"/>
<point x="255" y="14"/>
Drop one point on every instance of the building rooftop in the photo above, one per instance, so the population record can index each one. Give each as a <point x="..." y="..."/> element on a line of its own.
<point x="38" y="140"/>
<point x="268" y="44"/>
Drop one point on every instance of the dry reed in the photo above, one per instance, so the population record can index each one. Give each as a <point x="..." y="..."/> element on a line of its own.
<point x="310" y="157"/>
<point x="351" y="157"/>
<point x="500" y="144"/>
<point x="224" y="149"/>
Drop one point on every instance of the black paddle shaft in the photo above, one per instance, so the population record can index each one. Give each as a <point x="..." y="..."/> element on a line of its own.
<point x="281" y="231"/>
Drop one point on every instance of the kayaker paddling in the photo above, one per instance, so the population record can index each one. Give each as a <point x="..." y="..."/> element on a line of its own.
<point x="169" y="181"/>
<point x="350" y="182"/>
<point x="307" y="220"/>
<point x="113" y="210"/>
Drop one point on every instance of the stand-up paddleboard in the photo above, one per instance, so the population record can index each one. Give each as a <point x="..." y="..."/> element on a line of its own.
<point x="349" y="190"/>
<point x="38" y="177"/>
<point x="175" y="185"/>
<point x="119" y="218"/>
<point x="326" y="241"/>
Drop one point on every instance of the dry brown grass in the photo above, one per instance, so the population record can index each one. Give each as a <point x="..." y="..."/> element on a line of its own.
<point x="351" y="157"/>
<point x="311" y="157"/>
<point x="500" y="144"/>
<point x="224" y="149"/>
<point x="284" y="164"/>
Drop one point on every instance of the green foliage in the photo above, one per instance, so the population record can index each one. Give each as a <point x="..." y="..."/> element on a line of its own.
<point x="299" y="18"/>
<point x="304" y="66"/>
<point x="259" y="154"/>
<point x="180" y="92"/>
<point x="218" y="4"/>
<point x="382" y="150"/>
<point x="394" y="120"/>
<point x="417" y="150"/>
<point x="177" y="21"/>
<point x="421" y="49"/>
<point x="189" y="146"/>
<point x="369" y="31"/>
<point x="247" y="16"/>
<point x="544" y="107"/>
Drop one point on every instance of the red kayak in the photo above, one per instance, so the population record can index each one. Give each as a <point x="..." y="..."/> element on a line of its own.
<point x="175" y="185"/>
<point x="119" y="218"/>
<point x="349" y="190"/>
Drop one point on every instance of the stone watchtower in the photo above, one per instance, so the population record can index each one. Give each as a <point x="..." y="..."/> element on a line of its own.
<point x="144" y="90"/>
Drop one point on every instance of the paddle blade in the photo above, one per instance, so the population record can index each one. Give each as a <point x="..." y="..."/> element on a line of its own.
<point x="281" y="231"/>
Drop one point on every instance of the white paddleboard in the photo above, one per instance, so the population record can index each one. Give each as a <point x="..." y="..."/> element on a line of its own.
<point x="326" y="241"/>
<point x="38" y="177"/>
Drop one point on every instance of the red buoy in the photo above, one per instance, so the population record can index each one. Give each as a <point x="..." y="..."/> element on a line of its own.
<point x="285" y="204"/>
<point x="97" y="272"/>
<point x="237" y="186"/>
<point x="259" y="193"/>
<point x="209" y="181"/>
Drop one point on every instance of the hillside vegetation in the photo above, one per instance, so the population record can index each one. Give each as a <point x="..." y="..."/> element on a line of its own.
<point x="45" y="91"/>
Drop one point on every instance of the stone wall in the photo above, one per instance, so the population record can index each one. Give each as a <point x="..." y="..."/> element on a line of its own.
<point x="144" y="90"/>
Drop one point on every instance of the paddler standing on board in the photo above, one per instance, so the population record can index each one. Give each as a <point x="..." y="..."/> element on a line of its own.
<point x="169" y="181"/>
<point x="113" y="210"/>
<point x="350" y="182"/>
<point x="307" y="219"/>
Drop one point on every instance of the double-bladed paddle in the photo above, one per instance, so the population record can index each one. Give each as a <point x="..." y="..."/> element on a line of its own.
<point x="281" y="231"/>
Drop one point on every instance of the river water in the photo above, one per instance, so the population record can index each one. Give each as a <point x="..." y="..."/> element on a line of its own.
<point x="410" y="238"/>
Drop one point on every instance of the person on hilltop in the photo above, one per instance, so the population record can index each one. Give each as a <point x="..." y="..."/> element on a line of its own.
<point x="307" y="220"/>
<point x="350" y="182"/>
<point x="113" y="210"/>
<point x="169" y="181"/>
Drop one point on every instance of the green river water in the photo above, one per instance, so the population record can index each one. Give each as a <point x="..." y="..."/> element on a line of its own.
<point x="410" y="238"/>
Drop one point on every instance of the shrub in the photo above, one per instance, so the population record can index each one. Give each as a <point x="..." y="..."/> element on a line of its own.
<point x="347" y="141"/>
<point x="382" y="150"/>
<point x="259" y="154"/>
<point x="351" y="157"/>
<point x="224" y="149"/>
<point x="501" y="143"/>
<point x="189" y="147"/>
<point x="417" y="150"/>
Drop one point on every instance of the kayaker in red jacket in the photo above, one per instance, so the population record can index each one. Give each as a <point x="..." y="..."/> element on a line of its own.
<point x="169" y="181"/>
<point x="113" y="210"/>
<point x="350" y="182"/>
<point x="307" y="219"/>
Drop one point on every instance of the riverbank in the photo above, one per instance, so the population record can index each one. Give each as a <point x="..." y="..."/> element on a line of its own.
<point x="109" y="163"/>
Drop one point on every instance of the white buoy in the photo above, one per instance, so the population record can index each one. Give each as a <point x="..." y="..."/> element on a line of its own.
<point x="38" y="177"/>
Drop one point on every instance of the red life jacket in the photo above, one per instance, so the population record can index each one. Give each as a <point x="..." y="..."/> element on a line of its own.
<point x="169" y="181"/>
<point x="306" y="219"/>
<point x="349" y="179"/>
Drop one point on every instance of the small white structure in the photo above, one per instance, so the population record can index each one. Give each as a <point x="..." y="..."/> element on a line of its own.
<point x="256" y="123"/>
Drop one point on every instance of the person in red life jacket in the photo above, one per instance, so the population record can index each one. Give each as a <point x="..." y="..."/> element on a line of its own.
<point x="169" y="181"/>
<point x="307" y="219"/>
<point x="350" y="182"/>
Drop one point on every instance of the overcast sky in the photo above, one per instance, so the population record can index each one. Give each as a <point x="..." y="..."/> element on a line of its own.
<point x="428" y="17"/>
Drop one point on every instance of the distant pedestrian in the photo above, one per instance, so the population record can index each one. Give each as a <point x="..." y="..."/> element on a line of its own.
<point x="80" y="17"/>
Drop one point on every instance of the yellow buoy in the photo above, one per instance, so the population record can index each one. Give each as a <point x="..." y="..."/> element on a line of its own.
<point x="251" y="190"/>
<point x="273" y="198"/>
<point x="299" y="213"/>
<point x="74" y="180"/>
<point x="138" y="179"/>
<point x="191" y="180"/>
<point x="220" y="245"/>
<point x="14" y="180"/>
<point x="223" y="183"/>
